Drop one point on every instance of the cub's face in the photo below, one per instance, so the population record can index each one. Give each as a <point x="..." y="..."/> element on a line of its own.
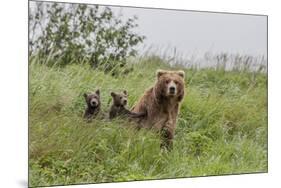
<point x="120" y="99"/>
<point x="170" y="83"/>
<point x="93" y="99"/>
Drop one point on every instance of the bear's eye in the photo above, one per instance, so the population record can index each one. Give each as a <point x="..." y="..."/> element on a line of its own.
<point x="176" y="82"/>
<point x="167" y="81"/>
<point x="120" y="98"/>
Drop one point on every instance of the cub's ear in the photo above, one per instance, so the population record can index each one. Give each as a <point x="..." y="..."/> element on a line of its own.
<point x="85" y="95"/>
<point x="125" y="92"/>
<point x="160" y="72"/>
<point x="113" y="94"/>
<point x="181" y="73"/>
<point x="98" y="92"/>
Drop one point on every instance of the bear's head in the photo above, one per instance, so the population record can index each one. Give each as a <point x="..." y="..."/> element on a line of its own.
<point x="93" y="99"/>
<point x="170" y="84"/>
<point x="120" y="99"/>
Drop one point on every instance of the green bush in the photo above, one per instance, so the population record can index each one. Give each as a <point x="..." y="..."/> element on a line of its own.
<point x="79" y="33"/>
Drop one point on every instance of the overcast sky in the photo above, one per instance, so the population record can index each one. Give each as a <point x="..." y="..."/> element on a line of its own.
<point x="195" y="33"/>
<point x="200" y="32"/>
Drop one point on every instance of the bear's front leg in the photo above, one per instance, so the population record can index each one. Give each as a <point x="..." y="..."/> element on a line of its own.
<point x="167" y="136"/>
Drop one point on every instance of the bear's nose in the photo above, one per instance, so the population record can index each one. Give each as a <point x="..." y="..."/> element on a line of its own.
<point x="125" y="101"/>
<point x="94" y="103"/>
<point x="172" y="89"/>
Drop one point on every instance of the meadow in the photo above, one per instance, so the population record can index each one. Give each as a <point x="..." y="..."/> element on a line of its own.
<point x="221" y="128"/>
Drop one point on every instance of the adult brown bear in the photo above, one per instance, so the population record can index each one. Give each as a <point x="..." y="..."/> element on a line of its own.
<point x="161" y="104"/>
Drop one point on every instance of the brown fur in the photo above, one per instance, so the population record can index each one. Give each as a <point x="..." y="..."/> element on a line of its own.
<point x="160" y="106"/>
<point x="93" y="105"/>
<point x="118" y="107"/>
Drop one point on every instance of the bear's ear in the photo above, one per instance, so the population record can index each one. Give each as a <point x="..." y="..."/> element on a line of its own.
<point x="181" y="73"/>
<point x="160" y="72"/>
<point x="98" y="92"/>
<point x="125" y="92"/>
<point x="85" y="95"/>
<point x="113" y="94"/>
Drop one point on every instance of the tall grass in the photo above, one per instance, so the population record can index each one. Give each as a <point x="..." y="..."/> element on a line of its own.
<point x="221" y="129"/>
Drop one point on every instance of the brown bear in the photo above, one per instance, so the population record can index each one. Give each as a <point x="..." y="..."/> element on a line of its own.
<point x="118" y="107"/>
<point x="161" y="105"/>
<point x="93" y="104"/>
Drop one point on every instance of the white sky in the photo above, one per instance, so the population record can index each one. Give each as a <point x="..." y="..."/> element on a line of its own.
<point x="195" y="33"/>
<point x="200" y="32"/>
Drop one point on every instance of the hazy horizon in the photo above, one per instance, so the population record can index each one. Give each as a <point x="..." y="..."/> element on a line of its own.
<point x="191" y="36"/>
<point x="193" y="32"/>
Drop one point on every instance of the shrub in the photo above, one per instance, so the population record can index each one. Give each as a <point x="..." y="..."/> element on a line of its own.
<point x="77" y="33"/>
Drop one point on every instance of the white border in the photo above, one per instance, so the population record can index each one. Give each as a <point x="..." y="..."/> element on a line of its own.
<point x="13" y="100"/>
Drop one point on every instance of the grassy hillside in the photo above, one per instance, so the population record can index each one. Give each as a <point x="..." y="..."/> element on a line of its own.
<point x="222" y="126"/>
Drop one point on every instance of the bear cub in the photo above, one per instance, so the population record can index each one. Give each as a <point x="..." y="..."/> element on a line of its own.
<point x="118" y="108"/>
<point x="93" y="104"/>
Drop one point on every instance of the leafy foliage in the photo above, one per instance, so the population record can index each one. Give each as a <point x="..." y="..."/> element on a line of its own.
<point x="77" y="33"/>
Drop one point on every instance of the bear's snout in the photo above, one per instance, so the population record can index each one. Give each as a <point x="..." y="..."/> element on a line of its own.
<point x="94" y="102"/>
<point x="125" y="101"/>
<point x="172" y="88"/>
